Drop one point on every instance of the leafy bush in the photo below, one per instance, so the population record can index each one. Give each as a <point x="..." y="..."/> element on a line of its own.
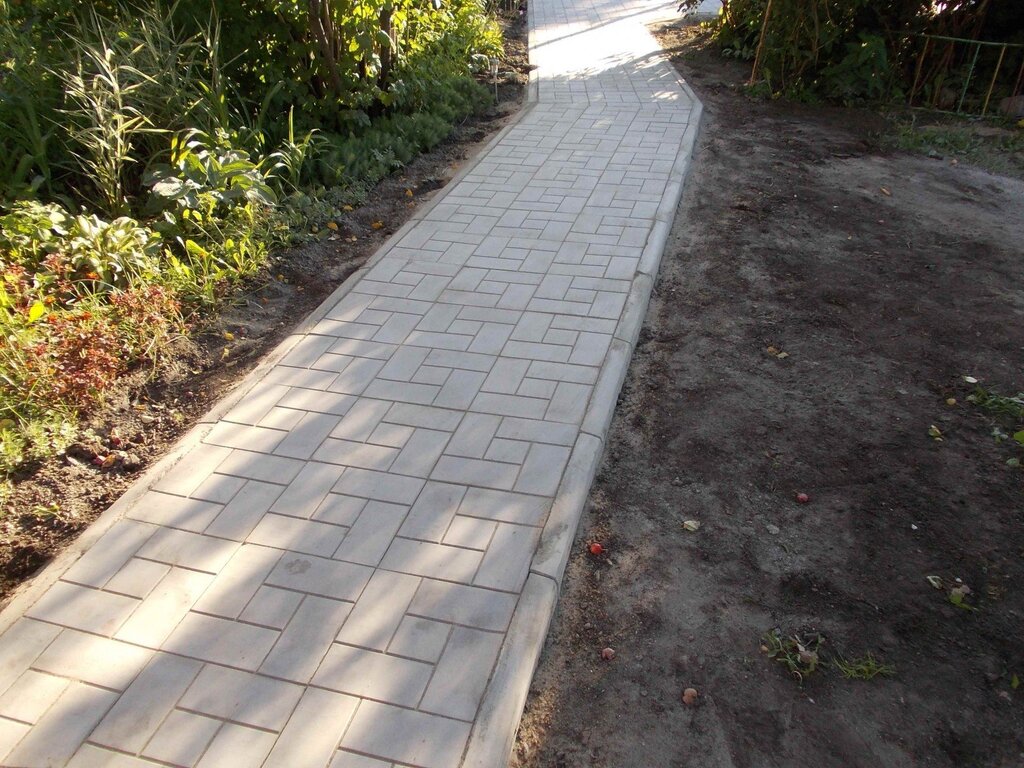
<point x="852" y="50"/>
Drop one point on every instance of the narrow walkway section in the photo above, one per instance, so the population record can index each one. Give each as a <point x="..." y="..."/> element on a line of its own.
<point x="355" y="565"/>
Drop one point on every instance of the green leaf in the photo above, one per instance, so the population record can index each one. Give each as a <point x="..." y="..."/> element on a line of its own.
<point x="1019" y="437"/>
<point x="1015" y="682"/>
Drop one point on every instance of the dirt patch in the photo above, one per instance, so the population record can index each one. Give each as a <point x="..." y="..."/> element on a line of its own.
<point x="55" y="500"/>
<point x="819" y="303"/>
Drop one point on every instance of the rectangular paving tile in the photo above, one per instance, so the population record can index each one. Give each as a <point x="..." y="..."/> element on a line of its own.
<point x="318" y="576"/>
<point x="83" y="608"/>
<point x="244" y="697"/>
<point x="147" y="701"/>
<point x="373" y="675"/>
<point x="93" y="659"/>
<point x="221" y="641"/>
<point x="314" y="730"/>
<point x="407" y="736"/>
<point x="60" y="732"/>
<point x="306" y="639"/>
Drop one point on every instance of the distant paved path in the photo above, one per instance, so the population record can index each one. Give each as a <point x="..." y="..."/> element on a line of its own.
<point x="356" y="565"/>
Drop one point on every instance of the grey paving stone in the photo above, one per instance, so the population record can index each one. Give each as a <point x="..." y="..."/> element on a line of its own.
<point x="421" y="452"/>
<point x="506" y="563"/>
<point x="379" y="610"/>
<point x="244" y="511"/>
<point x="542" y="469"/>
<point x="462" y="673"/>
<point x="90" y="756"/>
<point x="349" y="453"/>
<point x="368" y="538"/>
<point x="460" y="604"/>
<point x="221" y="641"/>
<point x="314" y="730"/>
<point x="236" y="746"/>
<point x="537" y="431"/>
<point x="421" y="639"/>
<point x="505" y="507"/>
<point x="104" y="559"/>
<point x="309" y="490"/>
<point x="60" y="732"/>
<point x="258" y="466"/>
<point x="244" y="697"/>
<point x="146" y="702"/>
<point x="31" y="695"/>
<point x="391" y="435"/>
<point x="271" y="607"/>
<point x="239" y="580"/>
<point x="83" y="608"/>
<point x="344" y="759"/>
<point x="424" y="558"/>
<point x="430" y="516"/>
<point x="164" y="607"/>
<point x="490" y="474"/>
<point x="460" y="389"/>
<point x="406" y="736"/>
<point x="193" y="468"/>
<point x="471" y="532"/>
<point x="306" y="639"/>
<point x="309" y="536"/>
<point x="318" y="576"/>
<point x="10" y="734"/>
<point x="190" y="550"/>
<point x="230" y="435"/>
<point x="182" y="738"/>
<point x="361" y="420"/>
<point x="512" y="451"/>
<point x="317" y="402"/>
<point x="340" y="510"/>
<point x="569" y="403"/>
<point x="306" y="436"/>
<point x="373" y="675"/>
<point x="379" y="486"/>
<point x="218" y="488"/>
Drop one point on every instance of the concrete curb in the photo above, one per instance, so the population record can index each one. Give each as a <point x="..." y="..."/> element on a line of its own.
<point x="26" y="594"/>
<point x="492" y="739"/>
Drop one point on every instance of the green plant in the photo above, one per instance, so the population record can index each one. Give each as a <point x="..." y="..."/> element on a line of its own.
<point x="295" y="154"/>
<point x="224" y="175"/>
<point x="799" y="654"/>
<point x="865" y="667"/>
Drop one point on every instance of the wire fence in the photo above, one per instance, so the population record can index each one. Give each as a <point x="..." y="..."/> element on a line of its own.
<point x="952" y="74"/>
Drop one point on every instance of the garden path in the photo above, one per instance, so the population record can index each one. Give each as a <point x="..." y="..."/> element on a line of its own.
<point x="352" y="563"/>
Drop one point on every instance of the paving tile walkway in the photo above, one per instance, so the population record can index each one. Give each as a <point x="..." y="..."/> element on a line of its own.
<point x="343" y="570"/>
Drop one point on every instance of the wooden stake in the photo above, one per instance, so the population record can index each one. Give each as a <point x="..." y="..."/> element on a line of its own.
<point x="760" y="43"/>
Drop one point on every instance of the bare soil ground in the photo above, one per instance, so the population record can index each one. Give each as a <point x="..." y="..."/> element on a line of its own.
<point x="55" y="500"/>
<point x="878" y="280"/>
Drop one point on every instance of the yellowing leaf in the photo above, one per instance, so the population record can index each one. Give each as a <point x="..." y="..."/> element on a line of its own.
<point x="378" y="225"/>
<point x="408" y="193"/>
<point x="347" y="208"/>
<point x="886" y="191"/>
<point x="332" y="225"/>
<point x="229" y="335"/>
<point x="935" y="433"/>
<point x="36" y="311"/>
<point x="691" y="525"/>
